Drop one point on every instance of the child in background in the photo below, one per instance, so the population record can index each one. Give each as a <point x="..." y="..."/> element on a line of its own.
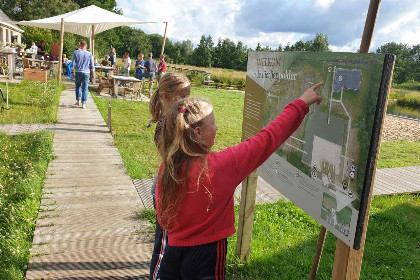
<point x="112" y="56"/>
<point x="194" y="193"/>
<point x="34" y="48"/>
<point x="172" y="88"/>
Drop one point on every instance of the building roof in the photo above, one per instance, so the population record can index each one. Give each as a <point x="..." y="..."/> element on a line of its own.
<point x="7" y="22"/>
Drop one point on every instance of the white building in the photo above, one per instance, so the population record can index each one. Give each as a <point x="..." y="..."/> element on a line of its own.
<point x="9" y="32"/>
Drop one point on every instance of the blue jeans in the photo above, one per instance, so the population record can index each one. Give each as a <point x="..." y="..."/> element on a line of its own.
<point x="82" y="80"/>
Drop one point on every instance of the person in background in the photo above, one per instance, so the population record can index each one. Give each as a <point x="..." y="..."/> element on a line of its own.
<point x="112" y="57"/>
<point x="19" y="51"/>
<point x="65" y="60"/>
<point x="34" y="48"/>
<point x="84" y="67"/>
<point x="106" y="61"/>
<point x="41" y="52"/>
<point x="150" y="71"/>
<point x="140" y="66"/>
<point x="55" y="51"/>
<point x="162" y="67"/>
<point x="125" y="71"/>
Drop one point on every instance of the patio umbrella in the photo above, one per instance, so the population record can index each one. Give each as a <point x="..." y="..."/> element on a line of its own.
<point x="86" y="21"/>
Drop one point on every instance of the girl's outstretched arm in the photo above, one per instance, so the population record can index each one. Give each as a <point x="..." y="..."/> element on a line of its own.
<point x="248" y="155"/>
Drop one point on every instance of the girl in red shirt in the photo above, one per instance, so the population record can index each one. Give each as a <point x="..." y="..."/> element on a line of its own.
<point x="172" y="87"/>
<point x="194" y="194"/>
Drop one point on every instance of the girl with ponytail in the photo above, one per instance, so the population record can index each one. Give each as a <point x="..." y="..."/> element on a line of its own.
<point x="194" y="194"/>
<point x="172" y="87"/>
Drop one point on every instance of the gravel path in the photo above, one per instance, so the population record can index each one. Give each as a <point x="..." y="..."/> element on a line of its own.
<point x="396" y="129"/>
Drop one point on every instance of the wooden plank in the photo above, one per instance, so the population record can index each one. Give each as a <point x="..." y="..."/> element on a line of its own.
<point x="381" y="191"/>
<point x="395" y="179"/>
<point x="390" y="188"/>
<point x="392" y="185"/>
<point x="403" y="176"/>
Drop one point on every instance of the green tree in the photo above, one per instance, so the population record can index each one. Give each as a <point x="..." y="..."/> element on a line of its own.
<point x="320" y="43"/>
<point x="110" y="5"/>
<point x="406" y="60"/>
<point x="218" y="54"/>
<point x="35" y="9"/>
<point x="203" y="53"/>
<point x="241" y="57"/>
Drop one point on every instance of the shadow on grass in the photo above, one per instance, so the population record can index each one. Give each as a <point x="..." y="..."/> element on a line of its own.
<point x="391" y="250"/>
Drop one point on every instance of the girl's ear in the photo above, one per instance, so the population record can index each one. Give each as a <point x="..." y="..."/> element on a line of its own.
<point x="198" y="131"/>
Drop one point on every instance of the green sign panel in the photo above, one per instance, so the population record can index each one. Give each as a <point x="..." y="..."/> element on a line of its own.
<point x="326" y="166"/>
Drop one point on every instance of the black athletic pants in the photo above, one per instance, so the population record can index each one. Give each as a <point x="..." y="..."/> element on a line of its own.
<point x="202" y="262"/>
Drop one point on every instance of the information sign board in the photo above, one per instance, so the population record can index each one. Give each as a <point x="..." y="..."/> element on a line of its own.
<point x="326" y="166"/>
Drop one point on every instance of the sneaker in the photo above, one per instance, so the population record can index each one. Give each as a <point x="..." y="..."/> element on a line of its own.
<point x="77" y="103"/>
<point x="83" y="105"/>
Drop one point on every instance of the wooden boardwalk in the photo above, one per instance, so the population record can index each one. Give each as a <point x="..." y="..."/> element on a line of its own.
<point x="397" y="180"/>
<point x="87" y="226"/>
<point x="388" y="181"/>
<point x="265" y="192"/>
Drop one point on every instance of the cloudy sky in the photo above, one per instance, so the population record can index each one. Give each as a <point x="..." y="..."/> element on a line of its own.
<point x="274" y="22"/>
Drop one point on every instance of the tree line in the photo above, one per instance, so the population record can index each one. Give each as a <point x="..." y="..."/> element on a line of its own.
<point x="223" y="54"/>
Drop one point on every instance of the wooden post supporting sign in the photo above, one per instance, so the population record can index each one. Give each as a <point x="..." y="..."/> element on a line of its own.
<point x="164" y="39"/>
<point x="93" y="42"/>
<point x="347" y="261"/>
<point x="246" y="215"/>
<point x="60" y="59"/>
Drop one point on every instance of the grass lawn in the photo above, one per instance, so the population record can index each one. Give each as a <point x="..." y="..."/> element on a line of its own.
<point x="284" y="240"/>
<point x="135" y="141"/>
<point x="399" y="154"/>
<point x="31" y="102"/>
<point x="23" y="163"/>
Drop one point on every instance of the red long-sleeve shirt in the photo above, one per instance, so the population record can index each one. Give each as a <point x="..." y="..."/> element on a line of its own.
<point x="205" y="218"/>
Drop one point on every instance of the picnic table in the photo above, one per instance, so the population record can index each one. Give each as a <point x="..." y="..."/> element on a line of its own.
<point x="100" y="67"/>
<point x="118" y="79"/>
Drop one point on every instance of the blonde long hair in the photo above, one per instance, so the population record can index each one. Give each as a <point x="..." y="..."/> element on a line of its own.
<point x="170" y="83"/>
<point x="178" y="147"/>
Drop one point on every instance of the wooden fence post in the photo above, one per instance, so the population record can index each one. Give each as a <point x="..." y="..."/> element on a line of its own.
<point x="7" y="96"/>
<point x="109" y="117"/>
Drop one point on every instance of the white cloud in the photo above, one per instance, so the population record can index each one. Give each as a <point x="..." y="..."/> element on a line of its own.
<point x="187" y="19"/>
<point x="411" y="17"/>
<point x="274" y="22"/>
<point x="323" y="3"/>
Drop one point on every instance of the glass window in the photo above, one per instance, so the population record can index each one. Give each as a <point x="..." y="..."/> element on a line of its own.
<point x="7" y="36"/>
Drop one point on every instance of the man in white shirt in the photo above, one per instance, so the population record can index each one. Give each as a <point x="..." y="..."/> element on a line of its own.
<point x="127" y="63"/>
